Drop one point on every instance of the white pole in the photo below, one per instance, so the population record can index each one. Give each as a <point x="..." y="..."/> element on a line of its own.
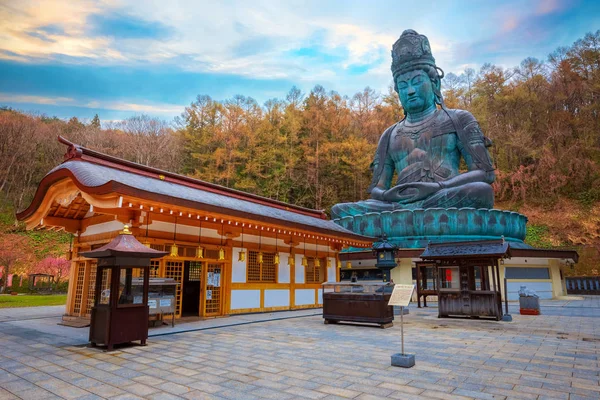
<point x="402" y="327"/>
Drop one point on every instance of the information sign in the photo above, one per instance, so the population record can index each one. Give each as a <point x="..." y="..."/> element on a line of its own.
<point x="401" y="295"/>
<point x="152" y="303"/>
<point x="165" y="302"/>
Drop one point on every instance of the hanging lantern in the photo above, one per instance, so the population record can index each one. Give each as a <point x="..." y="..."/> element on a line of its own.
<point x="146" y="241"/>
<point x="349" y="264"/>
<point x="174" y="249"/>
<point x="276" y="257"/>
<point x="317" y="261"/>
<point x="200" y="249"/>
<point x="291" y="259"/>
<point x="328" y="262"/>
<point x="221" y="250"/>
<point x="260" y="254"/>
<point x="304" y="259"/>
<point x="242" y="253"/>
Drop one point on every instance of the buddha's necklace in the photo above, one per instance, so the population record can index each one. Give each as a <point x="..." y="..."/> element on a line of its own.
<point x="414" y="130"/>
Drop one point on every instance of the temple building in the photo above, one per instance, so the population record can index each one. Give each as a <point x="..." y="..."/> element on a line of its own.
<point x="231" y="251"/>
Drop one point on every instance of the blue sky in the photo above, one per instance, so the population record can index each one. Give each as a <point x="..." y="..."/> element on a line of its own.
<point x="120" y="58"/>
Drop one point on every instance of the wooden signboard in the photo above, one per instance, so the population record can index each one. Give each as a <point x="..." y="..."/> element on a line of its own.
<point x="401" y="295"/>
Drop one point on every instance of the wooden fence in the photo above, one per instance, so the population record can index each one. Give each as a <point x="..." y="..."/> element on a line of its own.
<point x="583" y="285"/>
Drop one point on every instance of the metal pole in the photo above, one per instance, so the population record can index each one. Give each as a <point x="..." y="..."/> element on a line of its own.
<point x="505" y="296"/>
<point x="402" y="327"/>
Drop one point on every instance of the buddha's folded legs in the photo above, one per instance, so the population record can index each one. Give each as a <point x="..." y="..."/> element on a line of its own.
<point x="476" y="195"/>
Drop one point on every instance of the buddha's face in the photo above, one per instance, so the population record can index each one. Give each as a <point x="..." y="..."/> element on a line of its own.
<point x="415" y="90"/>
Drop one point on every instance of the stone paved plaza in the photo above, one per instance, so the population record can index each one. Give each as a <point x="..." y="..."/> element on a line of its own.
<point x="552" y="356"/>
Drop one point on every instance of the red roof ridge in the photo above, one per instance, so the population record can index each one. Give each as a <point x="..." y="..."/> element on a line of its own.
<point x="78" y="152"/>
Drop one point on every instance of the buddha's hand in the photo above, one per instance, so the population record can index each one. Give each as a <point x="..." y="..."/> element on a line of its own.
<point x="410" y="192"/>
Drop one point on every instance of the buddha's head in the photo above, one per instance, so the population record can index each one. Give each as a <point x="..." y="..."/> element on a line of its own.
<point x="417" y="79"/>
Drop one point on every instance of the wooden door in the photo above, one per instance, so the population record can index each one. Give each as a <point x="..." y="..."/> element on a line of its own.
<point x="213" y="293"/>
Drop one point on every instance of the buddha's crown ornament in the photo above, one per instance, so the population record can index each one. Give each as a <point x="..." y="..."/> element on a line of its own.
<point x="411" y="51"/>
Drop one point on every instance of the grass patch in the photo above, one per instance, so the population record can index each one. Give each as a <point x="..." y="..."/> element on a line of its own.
<point x="32" y="300"/>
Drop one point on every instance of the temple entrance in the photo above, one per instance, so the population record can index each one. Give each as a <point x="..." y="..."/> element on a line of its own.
<point x="192" y="286"/>
<point x="213" y="292"/>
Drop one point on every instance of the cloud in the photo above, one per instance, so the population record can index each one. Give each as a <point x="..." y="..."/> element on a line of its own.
<point x="149" y="108"/>
<point x="122" y="26"/>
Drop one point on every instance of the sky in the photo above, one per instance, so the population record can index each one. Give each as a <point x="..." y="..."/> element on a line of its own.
<point x="120" y="58"/>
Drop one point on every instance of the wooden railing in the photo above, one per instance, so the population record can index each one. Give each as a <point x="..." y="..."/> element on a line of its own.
<point x="583" y="285"/>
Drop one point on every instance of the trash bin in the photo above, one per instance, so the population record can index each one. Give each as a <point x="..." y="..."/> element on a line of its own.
<point x="529" y="302"/>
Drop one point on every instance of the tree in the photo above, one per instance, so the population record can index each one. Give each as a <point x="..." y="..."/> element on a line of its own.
<point x="14" y="255"/>
<point x="95" y="122"/>
<point x="58" y="267"/>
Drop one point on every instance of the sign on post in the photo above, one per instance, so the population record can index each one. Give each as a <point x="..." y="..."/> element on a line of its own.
<point x="401" y="296"/>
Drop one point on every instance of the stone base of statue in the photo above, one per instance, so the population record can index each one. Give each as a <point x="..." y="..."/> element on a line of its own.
<point x="416" y="228"/>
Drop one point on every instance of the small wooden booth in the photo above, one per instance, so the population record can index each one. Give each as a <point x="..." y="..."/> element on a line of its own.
<point x="467" y="277"/>
<point x="120" y="311"/>
<point x="365" y="302"/>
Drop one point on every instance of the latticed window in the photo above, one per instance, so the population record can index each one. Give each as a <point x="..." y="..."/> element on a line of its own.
<point x="314" y="274"/>
<point x="195" y="271"/>
<point x="174" y="269"/>
<point x="91" y="287"/>
<point x="261" y="272"/>
<point x="79" y="287"/>
<point x="154" y="269"/>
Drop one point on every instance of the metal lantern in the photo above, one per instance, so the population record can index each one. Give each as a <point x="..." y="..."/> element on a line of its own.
<point x="386" y="257"/>
<point x="349" y="264"/>
<point x="276" y="259"/>
<point x="242" y="253"/>
<point x="174" y="250"/>
<point x="221" y="254"/>
<point x="200" y="252"/>
<point x="260" y="257"/>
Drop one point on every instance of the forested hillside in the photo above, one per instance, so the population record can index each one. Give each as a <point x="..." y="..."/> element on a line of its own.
<point x="314" y="149"/>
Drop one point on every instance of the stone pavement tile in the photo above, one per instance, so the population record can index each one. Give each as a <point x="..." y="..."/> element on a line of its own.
<point x="236" y="376"/>
<point x="306" y="393"/>
<point x="237" y="395"/>
<point x="90" y="397"/>
<point x="350" y="394"/>
<point x="34" y="377"/>
<point x="62" y="388"/>
<point x="401" y="387"/>
<point x="6" y="395"/>
<point x="301" y="383"/>
<point x="206" y="387"/>
<point x="173" y="388"/>
<point x="37" y="394"/>
<point x="148" y="380"/>
<point x="374" y="390"/>
<point x="198" y="395"/>
<point x="510" y="393"/>
<point x="432" y="386"/>
<point x="407" y="396"/>
<point x="443" y="395"/>
<point x="182" y="380"/>
<point x="139" y="389"/>
<point x="269" y="384"/>
<point x="163" y="396"/>
<point x="478" y="394"/>
<point x="580" y="397"/>
<point x="332" y="382"/>
<point x="541" y="392"/>
<point x="266" y="393"/>
<point x="104" y="390"/>
<point x="126" y="396"/>
<point x="18" y="385"/>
